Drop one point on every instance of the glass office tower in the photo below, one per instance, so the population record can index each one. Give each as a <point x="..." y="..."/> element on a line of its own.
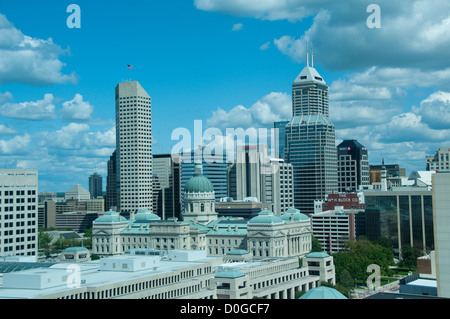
<point x="310" y="141"/>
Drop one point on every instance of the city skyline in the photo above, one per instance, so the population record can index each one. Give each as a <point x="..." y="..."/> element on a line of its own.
<point x="229" y="66"/>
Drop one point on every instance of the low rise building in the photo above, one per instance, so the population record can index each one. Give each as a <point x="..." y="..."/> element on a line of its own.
<point x="333" y="228"/>
<point x="265" y="235"/>
<point x="173" y="274"/>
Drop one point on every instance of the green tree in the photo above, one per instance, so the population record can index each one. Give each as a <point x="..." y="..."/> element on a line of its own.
<point x="409" y="256"/>
<point x="358" y="256"/>
<point x="44" y="241"/>
<point x="87" y="238"/>
<point x="316" y="246"/>
<point x="346" y="279"/>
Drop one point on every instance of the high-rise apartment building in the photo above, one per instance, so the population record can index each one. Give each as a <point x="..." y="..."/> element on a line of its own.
<point x="111" y="183"/>
<point x="133" y="147"/>
<point x="353" y="166"/>
<point x="95" y="186"/>
<point x="18" y="212"/>
<point x="310" y="141"/>
<point x="439" y="161"/>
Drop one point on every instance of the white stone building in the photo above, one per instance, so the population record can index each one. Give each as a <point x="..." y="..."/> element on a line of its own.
<point x="265" y="235"/>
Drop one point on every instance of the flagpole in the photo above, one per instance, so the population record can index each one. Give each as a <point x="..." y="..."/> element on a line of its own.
<point x="129" y="67"/>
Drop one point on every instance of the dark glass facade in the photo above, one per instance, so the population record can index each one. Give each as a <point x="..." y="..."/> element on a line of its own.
<point x="311" y="141"/>
<point x="405" y="218"/>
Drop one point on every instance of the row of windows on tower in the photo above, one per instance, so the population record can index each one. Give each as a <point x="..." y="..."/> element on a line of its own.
<point x="18" y="193"/>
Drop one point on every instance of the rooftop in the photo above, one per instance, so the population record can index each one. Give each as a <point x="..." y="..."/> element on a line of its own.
<point x="323" y="292"/>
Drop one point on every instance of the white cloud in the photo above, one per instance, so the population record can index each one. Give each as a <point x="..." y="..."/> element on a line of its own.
<point x="344" y="91"/>
<point x="16" y="145"/>
<point x="38" y="110"/>
<point x="412" y="36"/>
<point x="238" y="116"/>
<point x="265" y="46"/>
<point x="266" y="10"/>
<point x="5" y="130"/>
<point x="237" y="27"/>
<point x="350" y="114"/>
<point x="4" y="97"/>
<point x="77" y="138"/>
<point x="435" y="110"/>
<point x="274" y="106"/>
<point x="28" y="60"/>
<point x="69" y="137"/>
<point x="76" y="109"/>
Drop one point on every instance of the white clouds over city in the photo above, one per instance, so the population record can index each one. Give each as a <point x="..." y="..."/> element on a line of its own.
<point x="383" y="69"/>
<point x="28" y="60"/>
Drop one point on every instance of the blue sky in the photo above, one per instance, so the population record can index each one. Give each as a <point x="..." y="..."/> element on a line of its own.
<point x="227" y="63"/>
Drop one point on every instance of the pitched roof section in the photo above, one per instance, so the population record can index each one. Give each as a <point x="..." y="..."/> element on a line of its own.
<point x="323" y="292"/>
<point x="309" y="74"/>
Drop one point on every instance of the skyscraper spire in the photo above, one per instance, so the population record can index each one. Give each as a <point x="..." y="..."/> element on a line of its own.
<point x="307" y="53"/>
<point x="312" y="56"/>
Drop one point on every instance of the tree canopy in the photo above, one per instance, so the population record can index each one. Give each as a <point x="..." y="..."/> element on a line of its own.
<point x="353" y="262"/>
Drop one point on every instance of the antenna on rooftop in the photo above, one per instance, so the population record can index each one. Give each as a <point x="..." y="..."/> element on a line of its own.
<point x="312" y="56"/>
<point x="307" y="52"/>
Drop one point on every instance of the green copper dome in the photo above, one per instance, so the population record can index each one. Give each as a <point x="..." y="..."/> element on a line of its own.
<point x="294" y="214"/>
<point x="110" y="217"/>
<point x="323" y="292"/>
<point x="145" y="214"/>
<point x="266" y="217"/>
<point x="199" y="183"/>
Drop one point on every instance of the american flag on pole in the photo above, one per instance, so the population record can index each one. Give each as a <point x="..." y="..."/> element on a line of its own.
<point x="129" y="67"/>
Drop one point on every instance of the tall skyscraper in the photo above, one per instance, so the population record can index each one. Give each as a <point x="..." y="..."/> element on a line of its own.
<point x="310" y="141"/>
<point x="111" y="184"/>
<point x="18" y="212"/>
<point x="95" y="185"/>
<point x="133" y="147"/>
<point x="353" y="166"/>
